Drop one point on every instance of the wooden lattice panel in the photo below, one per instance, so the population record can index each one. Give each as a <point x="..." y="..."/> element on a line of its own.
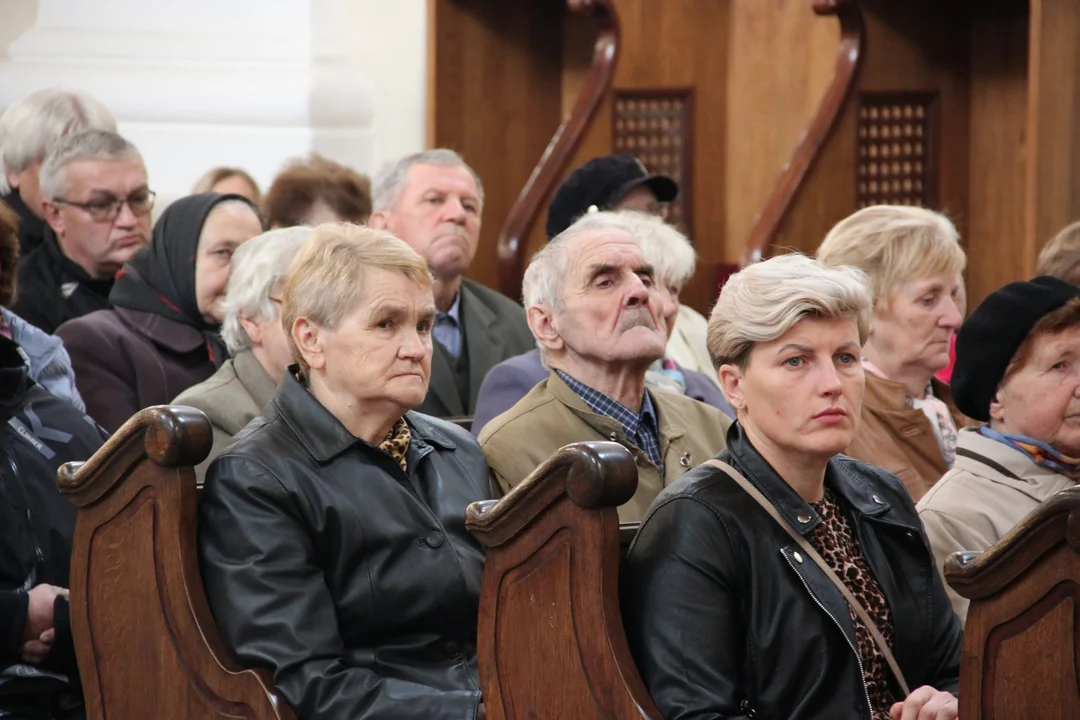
<point x="656" y="127"/>
<point x="896" y="151"/>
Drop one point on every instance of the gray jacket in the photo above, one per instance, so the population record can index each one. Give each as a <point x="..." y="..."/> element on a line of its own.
<point x="47" y="362"/>
<point x="231" y="397"/>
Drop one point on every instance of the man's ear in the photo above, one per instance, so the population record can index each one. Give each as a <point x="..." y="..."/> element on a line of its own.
<point x="380" y="220"/>
<point x="541" y="323"/>
<point x="731" y="378"/>
<point x="53" y="217"/>
<point x="253" y="330"/>
<point x="308" y="338"/>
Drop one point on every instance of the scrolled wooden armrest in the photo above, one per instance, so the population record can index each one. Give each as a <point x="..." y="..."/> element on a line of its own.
<point x="978" y="574"/>
<point x="592" y="475"/>
<point x="171" y="435"/>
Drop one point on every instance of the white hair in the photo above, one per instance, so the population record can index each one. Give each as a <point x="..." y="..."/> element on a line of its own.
<point x="664" y="247"/>
<point x="259" y="266"/>
<point x="83" y="145"/>
<point x="36" y="122"/>
<point x="761" y="302"/>
<point x="386" y="190"/>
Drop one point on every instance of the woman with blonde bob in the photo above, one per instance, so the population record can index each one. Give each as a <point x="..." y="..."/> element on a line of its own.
<point x="332" y="533"/>
<point x="914" y="261"/>
<point x="727" y="596"/>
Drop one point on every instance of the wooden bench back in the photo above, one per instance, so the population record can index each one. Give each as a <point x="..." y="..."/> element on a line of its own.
<point x="551" y="641"/>
<point x="146" y="642"/>
<point x="1022" y="634"/>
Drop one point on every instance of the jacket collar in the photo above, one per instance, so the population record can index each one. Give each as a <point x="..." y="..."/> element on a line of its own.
<point x="884" y="395"/>
<point x="855" y="492"/>
<point x="162" y="331"/>
<point x="668" y="429"/>
<point x="481" y="341"/>
<point x="322" y="435"/>
<point x="988" y="458"/>
<point x="254" y="378"/>
<point x="30" y="225"/>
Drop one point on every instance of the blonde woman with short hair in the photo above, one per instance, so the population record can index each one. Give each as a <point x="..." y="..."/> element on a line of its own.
<point x="332" y="533"/>
<point x="913" y="259"/>
<point x="727" y="614"/>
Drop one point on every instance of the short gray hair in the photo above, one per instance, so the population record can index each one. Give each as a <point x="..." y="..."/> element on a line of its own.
<point x="36" y="122"/>
<point x="83" y="145"/>
<point x="664" y="247"/>
<point x="259" y="266"/>
<point x="386" y="190"/>
<point x="761" y="302"/>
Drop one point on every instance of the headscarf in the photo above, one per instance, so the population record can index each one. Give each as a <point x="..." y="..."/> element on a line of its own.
<point x="160" y="278"/>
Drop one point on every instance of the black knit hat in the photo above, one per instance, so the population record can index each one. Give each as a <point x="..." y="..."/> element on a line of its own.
<point x="603" y="182"/>
<point x="989" y="338"/>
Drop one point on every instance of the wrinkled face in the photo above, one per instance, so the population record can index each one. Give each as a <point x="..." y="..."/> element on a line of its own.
<point x="236" y="185"/>
<point x="438" y="214"/>
<point x="27" y="182"/>
<point x="801" y="394"/>
<point x="919" y="322"/>
<point x="269" y="343"/>
<point x="227" y="227"/>
<point x="380" y="353"/>
<point x="612" y="313"/>
<point x="101" y="247"/>
<point x="1042" y="398"/>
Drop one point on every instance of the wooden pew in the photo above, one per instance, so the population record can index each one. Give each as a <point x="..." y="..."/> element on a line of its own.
<point x="551" y="642"/>
<point x="1023" y="626"/>
<point x="146" y="642"/>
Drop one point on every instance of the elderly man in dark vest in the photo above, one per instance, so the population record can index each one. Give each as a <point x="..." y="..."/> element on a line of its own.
<point x="432" y="200"/>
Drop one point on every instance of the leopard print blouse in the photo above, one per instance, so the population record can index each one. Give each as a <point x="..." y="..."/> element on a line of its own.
<point x="837" y="543"/>
<point x="396" y="443"/>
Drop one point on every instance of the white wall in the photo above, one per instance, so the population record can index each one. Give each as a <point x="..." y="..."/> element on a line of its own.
<point x="237" y="82"/>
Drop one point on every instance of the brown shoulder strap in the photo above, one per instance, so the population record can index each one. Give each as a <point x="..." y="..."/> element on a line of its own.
<point x="811" y="553"/>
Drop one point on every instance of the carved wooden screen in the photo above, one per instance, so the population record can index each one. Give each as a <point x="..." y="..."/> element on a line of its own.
<point x="656" y="127"/>
<point x="896" y="152"/>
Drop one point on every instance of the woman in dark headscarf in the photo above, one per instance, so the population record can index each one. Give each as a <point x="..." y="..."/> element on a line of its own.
<point x="160" y="335"/>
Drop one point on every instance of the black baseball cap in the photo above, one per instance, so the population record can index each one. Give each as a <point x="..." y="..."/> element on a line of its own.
<point x="603" y="182"/>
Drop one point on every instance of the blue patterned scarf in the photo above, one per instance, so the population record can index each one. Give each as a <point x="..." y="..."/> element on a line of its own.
<point x="1040" y="453"/>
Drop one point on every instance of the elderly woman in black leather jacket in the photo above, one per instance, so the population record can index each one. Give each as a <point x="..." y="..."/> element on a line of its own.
<point x="727" y="613"/>
<point x="332" y="534"/>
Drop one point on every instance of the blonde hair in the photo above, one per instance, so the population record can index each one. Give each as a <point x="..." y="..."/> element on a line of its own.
<point x="1061" y="256"/>
<point x="213" y="176"/>
<point x="326" y="279"/>
<point x="893" y="244"/>
<point x="763" y="301"/>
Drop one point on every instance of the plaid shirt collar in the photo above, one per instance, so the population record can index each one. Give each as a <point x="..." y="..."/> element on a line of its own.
<point x="642" y="428"/>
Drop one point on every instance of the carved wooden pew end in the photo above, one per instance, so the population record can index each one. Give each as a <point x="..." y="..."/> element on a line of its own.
<point x="145" y="640"/>
<point x="551" y="642"/>
<point x="1023" y="625"/>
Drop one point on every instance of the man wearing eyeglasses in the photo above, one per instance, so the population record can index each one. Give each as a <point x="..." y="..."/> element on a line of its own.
<point x="97" y="204"/>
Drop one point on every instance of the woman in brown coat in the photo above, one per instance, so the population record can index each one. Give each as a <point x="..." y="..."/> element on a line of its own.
<point x="160" y="335"/>
<point x="915" y="264"/>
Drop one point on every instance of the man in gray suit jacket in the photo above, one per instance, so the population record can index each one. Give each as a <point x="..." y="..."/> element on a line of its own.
<point x="432" y="200"/>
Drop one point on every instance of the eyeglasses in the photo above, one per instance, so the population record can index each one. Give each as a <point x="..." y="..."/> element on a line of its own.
<point x="107" y="209"/>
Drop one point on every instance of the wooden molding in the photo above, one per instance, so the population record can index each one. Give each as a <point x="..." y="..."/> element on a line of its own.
<point x="849" y="55"/>
<point x="513" y="238"/>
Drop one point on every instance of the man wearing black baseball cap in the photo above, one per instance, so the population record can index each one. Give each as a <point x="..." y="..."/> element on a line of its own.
<point x="612" y="182"/>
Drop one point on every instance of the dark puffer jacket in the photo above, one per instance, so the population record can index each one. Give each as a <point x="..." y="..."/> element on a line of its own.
<point x="38" y="433"/>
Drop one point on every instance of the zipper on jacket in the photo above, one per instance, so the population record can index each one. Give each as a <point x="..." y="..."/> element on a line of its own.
<point x="862" y="672"/>
<point x="38" y="553"/>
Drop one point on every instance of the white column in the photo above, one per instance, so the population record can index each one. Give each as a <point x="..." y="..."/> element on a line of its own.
<point x="236" y="82"/>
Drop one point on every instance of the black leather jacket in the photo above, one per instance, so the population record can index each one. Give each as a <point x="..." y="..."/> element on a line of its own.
<point x="355" y="584"/>
<point x="723" y="620"/>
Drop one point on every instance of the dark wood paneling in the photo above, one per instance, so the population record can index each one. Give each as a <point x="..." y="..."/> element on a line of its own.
<point x="495" y="93"/>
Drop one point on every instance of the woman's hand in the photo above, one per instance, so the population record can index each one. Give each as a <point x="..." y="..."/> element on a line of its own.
<point x="926" y="703"/>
